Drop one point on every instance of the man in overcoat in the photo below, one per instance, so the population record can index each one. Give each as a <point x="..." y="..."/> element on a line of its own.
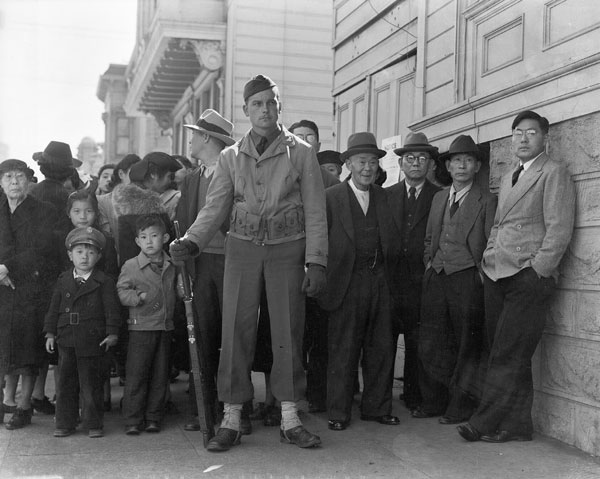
<point x="410" y="201"/>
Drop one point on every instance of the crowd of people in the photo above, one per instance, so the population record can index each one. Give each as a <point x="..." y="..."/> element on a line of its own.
<point x="297" y="273"/>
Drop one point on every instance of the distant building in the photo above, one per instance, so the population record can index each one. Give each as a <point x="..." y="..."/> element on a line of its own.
<point x="196" y="54"/>
<point x="91" y="155"/>
<point x="450" y="67"/>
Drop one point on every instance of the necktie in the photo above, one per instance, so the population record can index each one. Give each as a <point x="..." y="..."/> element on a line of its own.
<point x="412" y="199"/>
<point x="454" y="205"/>
<point x="515" y="176"/>
<point x="262" y="145"/>
<point x="79" y="280"/>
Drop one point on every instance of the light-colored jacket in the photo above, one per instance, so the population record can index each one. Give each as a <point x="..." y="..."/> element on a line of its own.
<point x="533" y="223"/>
<point x="273" y="198"/>
<point x="155" y="313"/>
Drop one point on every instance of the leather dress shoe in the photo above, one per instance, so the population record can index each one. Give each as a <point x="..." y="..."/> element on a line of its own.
<point x="386" y="419"/>
<point x="505" y="436"/>
<point x="59" y="432"/>
<point x="95" y="433"/>
<point x="337" y="424"/>
<point x="133" y="429"/>
<point x="152" y="426"/>
<point x="192" y="424"/>
<point x="245" y="426"/>
<point x="20" y="418"/>
<point x="420" y="413"/>
<point x="468" y="432"/>
<point x="300" y="437"/>
<point x="223" y="440"/>
<point x="452" y="420"/>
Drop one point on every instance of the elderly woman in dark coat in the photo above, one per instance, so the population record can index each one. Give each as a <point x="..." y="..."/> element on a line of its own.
<point x="27" y="274"/>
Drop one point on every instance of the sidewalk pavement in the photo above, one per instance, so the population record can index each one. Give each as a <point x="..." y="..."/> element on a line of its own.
<point x="417" y="449"/>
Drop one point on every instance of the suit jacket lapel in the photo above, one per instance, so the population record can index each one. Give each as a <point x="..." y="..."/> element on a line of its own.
<point x="437" y="217"/>
<point x="423" y="199"/>
<point x="469" y="210"/>
<point x="345" y="214"/>
<point x="90" y="285"/>
<point x="398" y="203"/>
<point x="527" y="180"/>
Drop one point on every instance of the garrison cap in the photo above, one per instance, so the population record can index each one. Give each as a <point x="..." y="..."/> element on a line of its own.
<point x="85" y="235"/>
<point x="257" y="84"/>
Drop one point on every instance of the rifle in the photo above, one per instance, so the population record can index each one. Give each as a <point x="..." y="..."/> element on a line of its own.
<point x="197" y="362"/>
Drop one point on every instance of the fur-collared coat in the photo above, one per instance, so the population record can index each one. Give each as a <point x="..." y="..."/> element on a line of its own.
<point x="130" y="202"/>
<point x="27" y="249"/>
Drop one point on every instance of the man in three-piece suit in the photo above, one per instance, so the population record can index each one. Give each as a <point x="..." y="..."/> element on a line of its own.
<point x="532" y="229"/>
<point x="410" y="200"/>
<point x="458" y="228"/>
<point x="363" y="246"/>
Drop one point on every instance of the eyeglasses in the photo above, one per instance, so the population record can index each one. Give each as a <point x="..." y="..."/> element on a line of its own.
<point x="310" y="137"/>
<point x="531" y="133"/>
<point x="413" y="159"/>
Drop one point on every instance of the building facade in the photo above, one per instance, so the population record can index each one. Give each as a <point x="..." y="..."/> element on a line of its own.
<point x="450" y="67"/>
<point x="196" y="54"/>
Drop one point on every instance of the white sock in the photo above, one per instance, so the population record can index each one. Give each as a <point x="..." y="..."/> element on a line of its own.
<point x="289" y="415"/>
<point x="231" y="416"/>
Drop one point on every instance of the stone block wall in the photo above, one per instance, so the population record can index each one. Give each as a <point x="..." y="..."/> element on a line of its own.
<point x="566" y="366"/>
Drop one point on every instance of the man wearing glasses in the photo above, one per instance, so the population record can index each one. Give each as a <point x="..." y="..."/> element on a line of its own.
<point x="410" y="201"/>
<point x="532" y="229"/>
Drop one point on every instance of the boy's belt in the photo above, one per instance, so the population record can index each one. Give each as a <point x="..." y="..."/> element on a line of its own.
<point x="74" y="318"/>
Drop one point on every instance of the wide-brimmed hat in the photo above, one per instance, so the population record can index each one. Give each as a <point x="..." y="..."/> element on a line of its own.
<point x="57" y="154"/>
<point x="213" y="124"/>
<point x="362" y="142"/>
<point x="329" y="156"/>
<point x="461" y="144"/>
<point x="162" y="160"/>
<point x="416" y="142"/>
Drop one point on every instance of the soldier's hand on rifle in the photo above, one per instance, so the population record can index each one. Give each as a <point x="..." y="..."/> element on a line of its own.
<point x="182" y="250"/>
<point x="314" y="280"/>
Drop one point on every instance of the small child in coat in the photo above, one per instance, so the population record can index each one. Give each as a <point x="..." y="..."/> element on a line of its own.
<point x="147" y="285"/>
<point x="83" y="322"/>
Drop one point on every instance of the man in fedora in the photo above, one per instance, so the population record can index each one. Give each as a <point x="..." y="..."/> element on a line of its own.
<point x="410" y="201"/>
<point x="210" y="135"/>
<point x="270" y="187"/>
<point x="362" y="249"/>
<point x="450" y="335"/>
<point x="531" y="232"/>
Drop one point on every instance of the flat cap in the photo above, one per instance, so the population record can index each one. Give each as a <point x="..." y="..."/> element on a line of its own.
<point x="85" y="235"/>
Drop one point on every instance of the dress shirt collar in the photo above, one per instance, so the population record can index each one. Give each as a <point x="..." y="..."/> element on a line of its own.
<point x="460" y="195"/>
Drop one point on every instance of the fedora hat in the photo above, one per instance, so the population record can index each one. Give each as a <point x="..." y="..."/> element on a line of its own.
<point x="213" y="124"/>
<point x="417" y="142"/>
<point x="462" y="144"/>
<point x="57" y="154"/>
<point x="362" y="142"/>
<point x="163" y="161"/>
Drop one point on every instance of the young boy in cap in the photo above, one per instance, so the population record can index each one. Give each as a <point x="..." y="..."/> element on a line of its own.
<point x="147" y="286"/>
<point x="83" y="322"/>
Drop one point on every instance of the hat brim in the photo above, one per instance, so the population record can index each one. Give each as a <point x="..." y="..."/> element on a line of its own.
<point x="40" y="155"/>
<point x="224" y="138"/>
<point x="417" y="147"/>
<point x="357" y="151"/>
<point x="448" y="154"/>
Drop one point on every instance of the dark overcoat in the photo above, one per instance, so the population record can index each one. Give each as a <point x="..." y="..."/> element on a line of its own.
<point x="27" y="250"/>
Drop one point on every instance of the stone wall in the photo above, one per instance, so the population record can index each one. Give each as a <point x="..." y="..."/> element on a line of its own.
<point x="566" y="366"/>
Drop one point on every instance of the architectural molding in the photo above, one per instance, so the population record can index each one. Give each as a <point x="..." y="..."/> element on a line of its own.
<point x="210" y="53"/>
